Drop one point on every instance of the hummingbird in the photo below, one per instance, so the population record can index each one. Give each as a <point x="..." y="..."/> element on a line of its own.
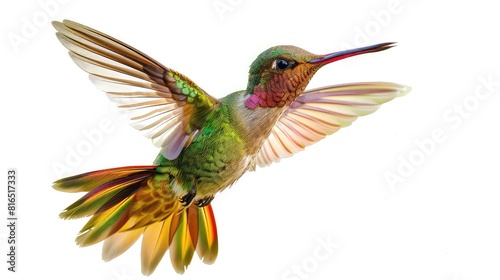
<point x="205" y="143"/>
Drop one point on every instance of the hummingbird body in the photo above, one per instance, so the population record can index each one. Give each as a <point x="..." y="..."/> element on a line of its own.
<point x="206" y="143"/>
<point x="215" y="159"/>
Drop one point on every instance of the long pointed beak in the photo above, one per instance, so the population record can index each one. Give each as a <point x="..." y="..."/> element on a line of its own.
<point x="348" y="53"/>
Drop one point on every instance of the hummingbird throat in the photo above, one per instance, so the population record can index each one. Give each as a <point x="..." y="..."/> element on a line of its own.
<point x="253" y="101"/>
<point x="274" y="93"/>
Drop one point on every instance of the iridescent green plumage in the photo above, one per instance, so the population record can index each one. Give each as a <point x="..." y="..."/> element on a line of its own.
<point x="206" y="143"/>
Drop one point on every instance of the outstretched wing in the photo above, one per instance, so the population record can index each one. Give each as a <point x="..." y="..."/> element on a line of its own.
<point x="321" y="112"/>
<point x="167" y="106"/>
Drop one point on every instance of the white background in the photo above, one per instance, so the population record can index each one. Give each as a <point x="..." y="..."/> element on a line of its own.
<point x="441" y="221"/>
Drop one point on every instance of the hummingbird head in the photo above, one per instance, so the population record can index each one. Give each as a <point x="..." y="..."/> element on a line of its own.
<point x="281" y="73"/>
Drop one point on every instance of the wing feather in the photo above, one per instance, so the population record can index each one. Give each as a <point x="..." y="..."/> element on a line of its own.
<point x="165" y="105"/>
<point x="320" y="112"/>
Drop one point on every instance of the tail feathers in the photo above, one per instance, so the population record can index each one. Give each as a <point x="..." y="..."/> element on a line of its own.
<point x="88" y="181"/>
<point x="104" y="187"/>
<point x="184" y="240"/>
<point x="191" y="230"/>
<point x="155" y="243"/>
<point x="125" y="204"/>
<point x="104" y="224"/>
<point x="118" y="243"/>
<point x="183" y="234"/>
<point x="108" y="201"/>
<point x="105" y="196"/>
<point x="208" y="246"/>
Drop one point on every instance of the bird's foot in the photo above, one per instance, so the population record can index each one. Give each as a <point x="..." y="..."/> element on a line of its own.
<point x="188" y="198"/>
<point x="204" y="201"/>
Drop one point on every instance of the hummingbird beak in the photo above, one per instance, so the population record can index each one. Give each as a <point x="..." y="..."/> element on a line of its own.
<point x="325" y="59"/>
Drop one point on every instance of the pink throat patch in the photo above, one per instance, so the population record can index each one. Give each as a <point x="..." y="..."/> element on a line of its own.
<point x="252" y="102"/>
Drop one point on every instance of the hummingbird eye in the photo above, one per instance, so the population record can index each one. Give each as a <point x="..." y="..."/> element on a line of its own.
<point x="281" y="64"/>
